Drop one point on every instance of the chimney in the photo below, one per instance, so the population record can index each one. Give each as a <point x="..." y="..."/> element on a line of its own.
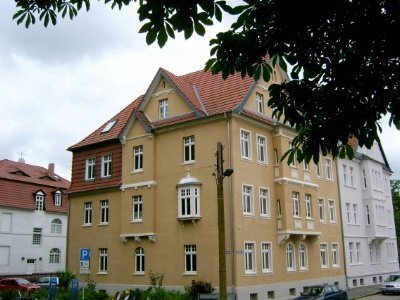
<point x="50" y="169"/>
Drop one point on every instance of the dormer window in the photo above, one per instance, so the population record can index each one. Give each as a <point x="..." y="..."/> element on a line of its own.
<point x="163" y="105"/>
<point x="260" y="103"/>
<point x="57" y="198"/>
<point x="39" y="201"/>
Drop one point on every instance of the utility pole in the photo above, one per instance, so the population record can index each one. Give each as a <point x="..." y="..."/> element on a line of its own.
<point x="221" y="223"/>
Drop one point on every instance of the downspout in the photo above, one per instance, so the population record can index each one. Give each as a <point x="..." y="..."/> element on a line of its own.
<point x="231" y="208"/>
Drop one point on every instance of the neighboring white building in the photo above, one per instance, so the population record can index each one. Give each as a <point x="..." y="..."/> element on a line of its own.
<point x="369" y="232"/>
<point x="33" y="219"/>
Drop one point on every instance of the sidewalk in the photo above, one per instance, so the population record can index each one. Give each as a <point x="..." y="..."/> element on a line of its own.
<point x="362" y="291"/>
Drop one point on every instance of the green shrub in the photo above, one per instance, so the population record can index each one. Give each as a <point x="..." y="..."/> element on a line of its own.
<point x="198" y="287"/>
<point x="65" y="279"/>
<point x="8" y="295"/>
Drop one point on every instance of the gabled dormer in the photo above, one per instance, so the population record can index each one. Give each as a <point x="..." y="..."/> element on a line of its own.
<point x="57" y="197"/>
<point x="39" y="198"/>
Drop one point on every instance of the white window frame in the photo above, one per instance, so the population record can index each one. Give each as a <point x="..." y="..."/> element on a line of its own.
<point x="303" y="257"/>
<point x="261" y="149"/>
<point x="106" y="165"/>
<point x="56" y="226"/>
<point x="323" y="254"/>
<point x="355" y="213"/>
<point x="250" y="257"/>
<point x="104" y="211"/>
<point x="37" y="236"/>
<point x="296" y="204"/>
<point x="245" y="144"/>
<point x="55" y="256"/>
<point x="335" y="255"/>
<point x="103" y="260"/>
<point x="260" y="103"/>
<point x="358" y="252"/>
<point x="247" y="200"/>
<point x="328" y="169"/>
<point x="345" y="174"/>
<point x="39" y="201"/>
<point x="58" y="198"/>
<point x="90" y="168"/>
<point x="139" y="261"/>
<point x="332" y="210"/>
<point x="189" y="148"/>
<point x="190" y="259"/>
<point x="265" y="208"/>
<point x="348" y="213"/>
<point x="318" y="169"/>
<point x="351" y="252"/>
<point x="367" y="215"/>
<point x="87" y="213"/>
<point x="189" y="202"/>
<point x="138" y="158"/>
<point x="321" y="210"/>
<point x="163" y="108"/>
<point x="290" y="258"/>
<point x="308" y="204"/>
<point x="266" y="257"/>
<point x="137" y="208"/>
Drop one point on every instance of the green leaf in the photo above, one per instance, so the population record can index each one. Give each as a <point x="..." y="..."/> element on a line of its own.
<point x="282" y="64"/>
<point x="46" y="20"/>
<point x="218" y="14"/>
<point x="188" y="31"/>
<point x="151" y="36"/>
<point x="18" y="13"/>
<point x="53" y="17"/>
<point x="162" y="37"/>
<point x="21" y="19"/>
<point x="209" y="63"/>
<point x="145" y="28"/>
<point x="170" y="31"/>
<point x="257" y="72"/>
<point x="267" y="70"/>
<point x="200" y="30"/>
<point x="28" y="21"/>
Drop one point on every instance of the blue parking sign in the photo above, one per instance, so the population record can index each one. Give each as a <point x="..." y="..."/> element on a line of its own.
<point x="84" y="254"/>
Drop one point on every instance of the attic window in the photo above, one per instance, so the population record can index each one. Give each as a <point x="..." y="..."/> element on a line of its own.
<point x="20" y="173"/>
<point x="108" y="126"/>
<point x="163" y="84"/>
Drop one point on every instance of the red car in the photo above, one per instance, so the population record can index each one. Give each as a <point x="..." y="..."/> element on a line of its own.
<point x="19" y="284"/>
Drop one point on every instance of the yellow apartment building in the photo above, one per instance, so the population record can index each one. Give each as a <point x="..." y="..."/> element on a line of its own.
<point x="143" y="196"/>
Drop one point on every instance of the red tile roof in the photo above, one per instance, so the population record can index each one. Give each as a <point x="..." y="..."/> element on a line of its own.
<point x="19" y="181"/>
<point x="208" y="94"/>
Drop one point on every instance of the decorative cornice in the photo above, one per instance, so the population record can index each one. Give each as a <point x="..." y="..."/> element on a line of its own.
<point x="137" y="185"/>
<point x="166" y="92"/>
<point x="286" y="180"/>
<point x="138" y="237"/>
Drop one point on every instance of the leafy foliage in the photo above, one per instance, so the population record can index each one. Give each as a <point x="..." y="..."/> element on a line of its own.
<point x="65" y="279"/>
<point x="198" y="287"/>
<point x="344" y="58"/>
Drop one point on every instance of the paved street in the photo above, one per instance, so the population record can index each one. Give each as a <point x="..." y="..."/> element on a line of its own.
<point x="380" y="297"/>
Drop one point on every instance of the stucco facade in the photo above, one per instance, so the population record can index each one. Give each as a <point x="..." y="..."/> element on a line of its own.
<point x="283" y="224"/>
<point x="368" y="223"/>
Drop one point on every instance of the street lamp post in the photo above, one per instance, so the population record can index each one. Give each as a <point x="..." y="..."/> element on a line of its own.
<point x="221" y="220"/>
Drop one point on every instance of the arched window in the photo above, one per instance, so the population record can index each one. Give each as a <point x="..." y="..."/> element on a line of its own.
<point x="54" y="256"/>
<point x="139" y="260"/>
<point x="290" y="262"/>
<point x="303" y="260"/>
<point x="56" y="226"/>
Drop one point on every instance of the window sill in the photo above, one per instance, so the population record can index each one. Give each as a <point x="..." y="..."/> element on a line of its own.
<point x="190" y="273"/>
<point x="139" y="274"/>
<point x="102" y="273"/>
<point x="137" y="221"/>
<point x="137" y="171"/>
<point x="103" y="224"/>
<point x="87" y="225"/>
<point x="250" y="273"/>
<point x="189" y="162"/>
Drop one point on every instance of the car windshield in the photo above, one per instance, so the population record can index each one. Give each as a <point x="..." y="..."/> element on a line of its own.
<point x="393" y="278"/>
<point x="22" y="281"/>
<point x="313" y="291"/>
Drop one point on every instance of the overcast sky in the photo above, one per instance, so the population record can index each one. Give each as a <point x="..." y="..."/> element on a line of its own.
<point x="59" y="84"/>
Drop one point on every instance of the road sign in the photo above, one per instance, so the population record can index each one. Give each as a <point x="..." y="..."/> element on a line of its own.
<point x="85" y="254"/>
<point x="84" y="257"/>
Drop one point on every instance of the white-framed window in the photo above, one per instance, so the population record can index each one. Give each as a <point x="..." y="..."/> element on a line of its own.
<point x="321" y="208"/>
<point x="37" y="236"/>
<point x="348" y="213"/>
<point x="189" y="202"/>
<point x="358" y="253"/>
<point x="260" y="103"/>
<point x="104" y="211"/>
<point x="323" y="250"/>
<point x="332" y="211"/>
<point x="190" y="259"/>
<point x="262" y="149"/>
<point x="57" y="198"/>
<point x="367" y="215"/>
<point x="303" y="257"/>
<point x="56" y="226"/>
<point x="335" y="255"/>
<point x="245" y="144"/>
<point x="137" y="208"/>
<point x="139" y="260"/>
<point x="39" y="201"/>
<point x="296" y="204"/>
<point x="247" y="200"/>
<point x="188" y="149"/>
<point x="308" y="206"/>
<point x="328" y="168"/>
<point x="364" y="176"/>
<point x="87" y="213"/>
<point x="264" y="202"/>
<point x="90" y="165"/>
<point x="138" y="158"/>
<point x="54" y="256"/>
<point x="266" y="257"/>
<point x="163" y="106"/>
<point x="318" y="169"/>
<point x="355" y="213"/>
<point x="345" y="175"/>
<point x="103" y="260"/>
<point x="351" y="252"/>
<point x="249" y="258"/>
<point x="106" y="165"/>
<point x="290" y="261"/>
<point x="351" y="175"/>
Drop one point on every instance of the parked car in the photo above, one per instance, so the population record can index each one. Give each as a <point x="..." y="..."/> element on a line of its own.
<point x="391" y="284"/>
<point x="323" y="291"/>
<point x="19" y="284"/>
<point x="44" y="282"/>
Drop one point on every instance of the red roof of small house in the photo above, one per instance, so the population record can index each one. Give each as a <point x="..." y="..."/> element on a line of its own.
<point x="20" y="181"/>
<point x="208" y="94"/>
